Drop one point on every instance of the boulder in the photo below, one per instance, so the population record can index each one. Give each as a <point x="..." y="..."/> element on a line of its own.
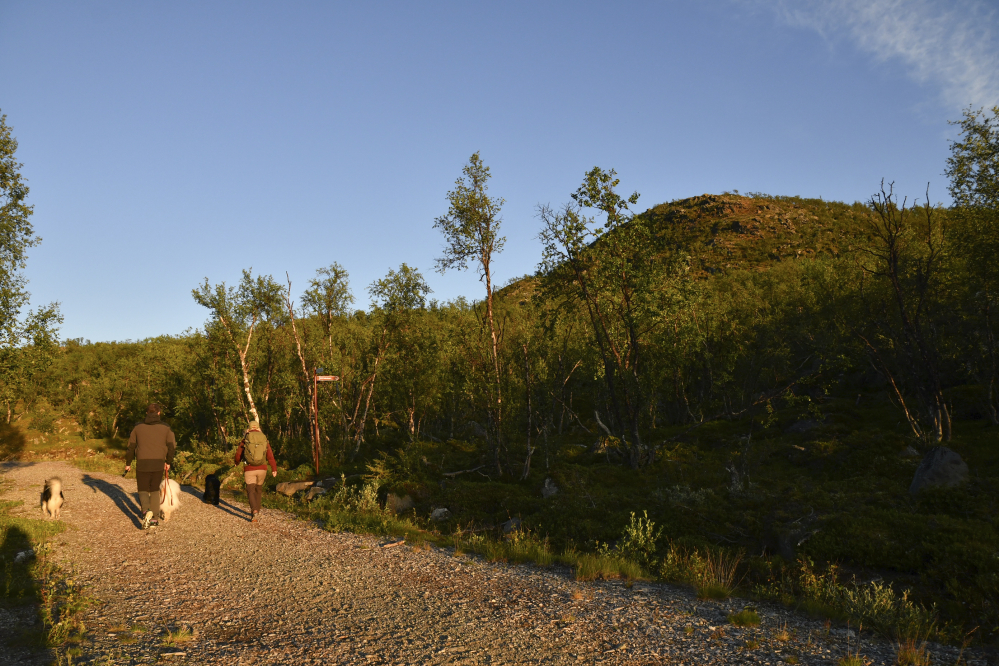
<point x="942" y="468"/>
<point x="512" y="525"/>
<point x="397" y="504"/>
<point x="440" y="514"/>
<point x="549" y="489"/>
<point x="314" y="492"/>
<point x="289" y="488"/>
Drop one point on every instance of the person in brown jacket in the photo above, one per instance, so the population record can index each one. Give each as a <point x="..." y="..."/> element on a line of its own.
<point x="152" y="445"/>
<point x="256" y="452"/>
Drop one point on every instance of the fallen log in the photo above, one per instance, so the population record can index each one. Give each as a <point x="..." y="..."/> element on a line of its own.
<point x="451" y="475"/>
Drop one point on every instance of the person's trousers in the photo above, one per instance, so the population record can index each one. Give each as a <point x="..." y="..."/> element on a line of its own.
<point x="149" y="490"/>
<point x="255" y="488"/>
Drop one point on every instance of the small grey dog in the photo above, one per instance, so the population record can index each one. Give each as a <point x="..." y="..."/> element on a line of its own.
<point x="52" y="497"/>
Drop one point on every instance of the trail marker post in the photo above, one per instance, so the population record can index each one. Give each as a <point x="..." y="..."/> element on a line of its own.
<point x="317" y="377"/>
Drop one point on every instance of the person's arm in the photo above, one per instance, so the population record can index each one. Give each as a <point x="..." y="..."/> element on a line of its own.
<point x="171" y="448"/>
<point x="271" y="461"/>
<point x="239" y="454"/>
<point x="130" y="454"/>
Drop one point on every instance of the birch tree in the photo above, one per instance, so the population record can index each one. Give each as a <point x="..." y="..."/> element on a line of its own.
<point x="471" y="234"/>
<point x="239" y="311"/>
<point x="27" y="343"/>
<point x="629" y="282"/>
<point x="393" y="298"/>
<point x="973" y="170"/>
<point x="328" y="297"/>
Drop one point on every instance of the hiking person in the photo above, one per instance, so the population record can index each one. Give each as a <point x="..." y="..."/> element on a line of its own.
<point x="255" y="451"/>
<point x="152" y="446"/>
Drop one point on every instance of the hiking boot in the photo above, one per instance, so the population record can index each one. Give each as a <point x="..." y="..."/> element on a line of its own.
<point x="147" y="520"/>
<point x="253" y="516"/>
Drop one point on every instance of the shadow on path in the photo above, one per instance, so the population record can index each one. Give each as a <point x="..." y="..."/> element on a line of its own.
<point x="225" y="506"/>
<point x="121" y="499"/>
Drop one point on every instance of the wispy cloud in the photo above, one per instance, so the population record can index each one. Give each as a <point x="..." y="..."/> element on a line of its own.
<point x="953" y="45"/>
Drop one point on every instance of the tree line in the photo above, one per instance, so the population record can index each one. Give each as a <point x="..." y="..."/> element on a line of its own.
<point x="635" y="326"/>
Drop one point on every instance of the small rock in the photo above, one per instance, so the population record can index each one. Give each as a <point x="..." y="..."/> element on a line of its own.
<point x="909" y="452"/>
<point x="941" y="467"/>
<point x="803" y="426"/>
<point x="511" y="525"/>
<point x="397" y="504"/>
<point x="549" y="489"/>
<point x="440" y="514"/>
<point x="24" y="556"/>
<point x="289" y="488"/>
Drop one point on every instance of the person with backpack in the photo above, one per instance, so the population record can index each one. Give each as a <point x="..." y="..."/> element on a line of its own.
<point x="152" y="445"/>
<point x="255" y="451"/>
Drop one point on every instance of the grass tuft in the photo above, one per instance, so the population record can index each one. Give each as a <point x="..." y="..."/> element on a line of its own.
<point x="745" y="618"/>
<point x="912" y="651"/>
<point x="782" y="634"/>
<point x="591" y="566"/>
<point x="177" y="638"/>
<point x="852" y="660"/>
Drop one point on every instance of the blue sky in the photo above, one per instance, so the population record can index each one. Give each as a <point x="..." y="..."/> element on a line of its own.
<point x="169" y="142"/>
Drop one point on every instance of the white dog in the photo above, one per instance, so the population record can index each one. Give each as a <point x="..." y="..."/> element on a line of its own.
<point x="169" y="498"/>
<point x="52" y="497"/>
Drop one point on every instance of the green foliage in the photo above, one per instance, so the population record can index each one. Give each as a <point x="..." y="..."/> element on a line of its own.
<point x="639" y="541"/>
<point x="27" y="343"/>
<point x="875" y="604"/>
<point x="471" y="225"/>
<point x="973" y="169"/>
<point x="16" y="232"/>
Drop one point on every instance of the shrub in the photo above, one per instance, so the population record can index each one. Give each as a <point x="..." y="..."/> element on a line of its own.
<point x="875" y="604"/>
<point x="43" y="422"/>
<point x="639" y="540"/>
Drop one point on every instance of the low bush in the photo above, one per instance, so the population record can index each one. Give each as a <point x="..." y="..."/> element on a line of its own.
<point x="875" y="604"/>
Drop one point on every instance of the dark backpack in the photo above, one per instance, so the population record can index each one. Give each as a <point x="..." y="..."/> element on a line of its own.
<point x="255" y="448"/>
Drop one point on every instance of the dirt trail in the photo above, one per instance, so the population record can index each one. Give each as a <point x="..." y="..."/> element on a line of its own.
<point x="282" y="591"/>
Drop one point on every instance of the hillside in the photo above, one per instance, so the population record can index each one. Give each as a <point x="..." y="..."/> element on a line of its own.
<point x="731" y="231"/>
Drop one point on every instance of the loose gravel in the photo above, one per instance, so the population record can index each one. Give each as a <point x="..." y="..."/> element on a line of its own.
<point x="284" y="591"/>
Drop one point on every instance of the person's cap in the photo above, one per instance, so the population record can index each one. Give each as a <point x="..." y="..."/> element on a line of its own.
<point x="153" y="408"/>
<point x="254" y="424"/>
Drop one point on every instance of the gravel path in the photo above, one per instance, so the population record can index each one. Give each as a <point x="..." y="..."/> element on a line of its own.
<point x="282" y="591"/>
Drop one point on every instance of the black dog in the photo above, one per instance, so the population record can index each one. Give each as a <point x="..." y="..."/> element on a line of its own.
<point x="212" y="489"/>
